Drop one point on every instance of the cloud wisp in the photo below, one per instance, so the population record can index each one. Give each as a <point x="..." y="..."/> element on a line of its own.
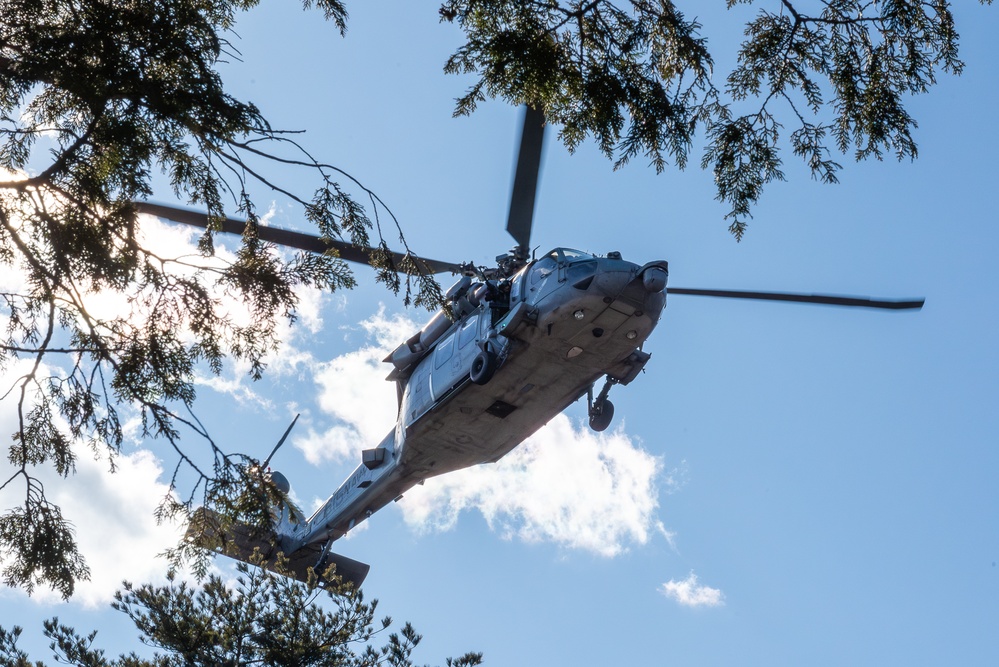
<point x="565" y="485"/>
<point x="689" y="593"/>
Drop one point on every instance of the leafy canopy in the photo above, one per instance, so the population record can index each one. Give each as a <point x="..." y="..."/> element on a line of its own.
<point x="262" y="619"/>
<point x="637" y="76"/>
<point x="97" y="96"/>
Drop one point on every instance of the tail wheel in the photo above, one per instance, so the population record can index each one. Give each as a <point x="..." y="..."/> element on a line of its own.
<point x="601" y="415"/>
<point x="483" y="367"/>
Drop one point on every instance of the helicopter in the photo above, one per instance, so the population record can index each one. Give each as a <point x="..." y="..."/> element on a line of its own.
<point x="514" y="346"/>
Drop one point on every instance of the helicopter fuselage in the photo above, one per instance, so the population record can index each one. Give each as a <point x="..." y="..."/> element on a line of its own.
<point x="505" y="355"/>
<point x="478" y="380"/>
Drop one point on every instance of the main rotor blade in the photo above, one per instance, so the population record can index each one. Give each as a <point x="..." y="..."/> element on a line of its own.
<point x="525" y="179"/>
<point x="826" y="299"/>
<point x="286" y="237"/>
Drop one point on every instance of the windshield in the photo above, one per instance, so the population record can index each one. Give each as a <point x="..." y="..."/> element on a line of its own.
<point x="568" y="255"/>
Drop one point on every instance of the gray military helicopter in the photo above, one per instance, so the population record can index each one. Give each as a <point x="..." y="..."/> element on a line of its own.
<point x="514" y="347"/>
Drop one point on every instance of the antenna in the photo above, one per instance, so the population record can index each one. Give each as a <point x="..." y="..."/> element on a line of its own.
<point x="280" y="442"/>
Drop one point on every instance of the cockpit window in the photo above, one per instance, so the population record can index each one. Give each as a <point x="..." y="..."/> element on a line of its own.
<point x="573" y="255"/>
<point x="543" y="267"/>
<point x="517" y="286"/>
<point x="567" y="255"/>
<point x="580" y="270"/>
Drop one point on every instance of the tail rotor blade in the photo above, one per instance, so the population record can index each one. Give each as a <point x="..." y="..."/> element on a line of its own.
<point x="525" y="180"/>
<point x="825" y="299"/>
<point x="284" y="437"/>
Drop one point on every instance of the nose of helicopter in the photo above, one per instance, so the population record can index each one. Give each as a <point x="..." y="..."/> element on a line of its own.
<point x="605" y="309"/>
<point x="642" y="286"/>
<point x="618" y="296"/>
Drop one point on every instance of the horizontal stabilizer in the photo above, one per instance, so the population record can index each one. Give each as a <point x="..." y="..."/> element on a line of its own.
<point x="240" y="541"/>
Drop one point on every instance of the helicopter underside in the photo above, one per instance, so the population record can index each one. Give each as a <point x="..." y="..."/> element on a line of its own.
<point x="547" y="364"/>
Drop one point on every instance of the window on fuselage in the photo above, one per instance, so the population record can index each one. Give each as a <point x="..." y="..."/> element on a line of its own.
<point x="444" y="351"/>
<point x="467" y="333"/>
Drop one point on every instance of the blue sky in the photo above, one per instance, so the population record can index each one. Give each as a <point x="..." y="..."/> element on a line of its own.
<point x="830" y="475"/>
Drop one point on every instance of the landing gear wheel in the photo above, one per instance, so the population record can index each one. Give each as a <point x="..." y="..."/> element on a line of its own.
<point x="483" y="367"/>
<point x="601" y="415"/>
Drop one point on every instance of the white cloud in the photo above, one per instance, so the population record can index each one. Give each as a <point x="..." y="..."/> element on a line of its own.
<point x="691" y="594"/>
<point x="565" y="485"/>
<point x="236" y="384"/>
<point x="309" y="311"/>
<point x="175" y="244"/>
<point x="115" y="527"/>
<point x="172" y="240"/>
<point x="353" y="390"/>
<point x="112" y="514"/>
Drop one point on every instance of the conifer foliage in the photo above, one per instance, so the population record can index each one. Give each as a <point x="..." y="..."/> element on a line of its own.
<point x="262" y="619"/>
<point x="815" y="77"/>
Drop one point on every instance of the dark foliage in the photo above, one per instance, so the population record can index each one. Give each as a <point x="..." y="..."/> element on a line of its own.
<point x="264" y="619"/>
